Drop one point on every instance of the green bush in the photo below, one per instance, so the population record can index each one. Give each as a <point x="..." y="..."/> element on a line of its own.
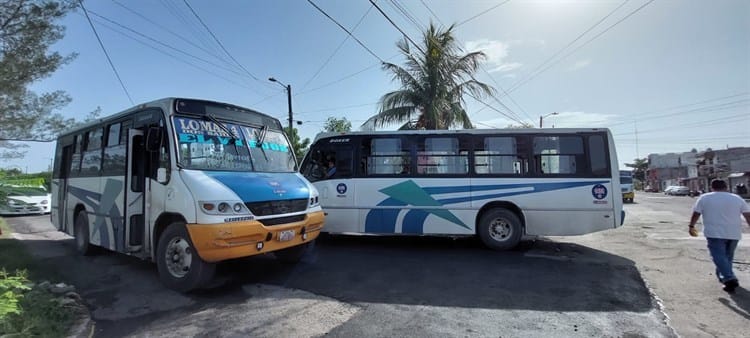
<point x="12" y="288"/>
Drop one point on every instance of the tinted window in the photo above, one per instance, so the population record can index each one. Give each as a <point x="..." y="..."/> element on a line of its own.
<point x="558" y="154"/>
<point x="498" y="155"/>
<point x="442" y="155"/>
<point x="598" y="156"/>
<point x="386" y="156"/>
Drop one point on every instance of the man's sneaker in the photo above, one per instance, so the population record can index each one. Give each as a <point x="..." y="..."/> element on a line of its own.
<point x="730" y="285"/>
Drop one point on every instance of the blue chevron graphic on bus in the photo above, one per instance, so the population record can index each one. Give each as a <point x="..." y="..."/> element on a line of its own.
<point x="409" y="193"/>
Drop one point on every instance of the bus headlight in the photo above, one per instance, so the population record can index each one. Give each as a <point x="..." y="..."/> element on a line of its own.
<point x="223" y="207"/>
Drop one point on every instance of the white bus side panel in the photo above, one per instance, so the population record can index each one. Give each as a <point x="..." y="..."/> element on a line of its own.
<point x="557" y="207"/>
<point x="414" y="206"/>
<point x="103" y="198"/>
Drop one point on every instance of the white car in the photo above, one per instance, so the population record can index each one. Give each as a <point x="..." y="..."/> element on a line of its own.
<point x="24" y="200"/>
<point x="677" y="190"/>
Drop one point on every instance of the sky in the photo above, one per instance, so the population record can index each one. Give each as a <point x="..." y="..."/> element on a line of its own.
<point x="664" y="76"/>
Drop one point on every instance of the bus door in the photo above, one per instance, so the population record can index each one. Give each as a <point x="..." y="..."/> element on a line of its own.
<point x="135" y="197"/>
<point x="62" y="188"/>
<point x="330" y="167"/>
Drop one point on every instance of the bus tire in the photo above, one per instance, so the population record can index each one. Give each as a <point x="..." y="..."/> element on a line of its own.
<point x="83" y="245"/>
<point x="180" y="267"/>
<point x="500" y="229"/>
<point x="292" y="255"/>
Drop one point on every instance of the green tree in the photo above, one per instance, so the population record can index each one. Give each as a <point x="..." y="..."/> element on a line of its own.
<point x="299" y="146"/>
<point x="27" y="30"/>
<point x="639" y="166"/>
<point x="433" y="84"/>
<point x="337" y="125"/>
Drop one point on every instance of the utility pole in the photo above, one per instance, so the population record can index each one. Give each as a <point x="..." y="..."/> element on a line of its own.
<point x="288" y="99"/>
<point x="289" y="103"/>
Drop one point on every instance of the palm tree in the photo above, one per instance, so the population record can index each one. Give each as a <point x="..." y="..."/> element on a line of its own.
<point x="432" y="85"/>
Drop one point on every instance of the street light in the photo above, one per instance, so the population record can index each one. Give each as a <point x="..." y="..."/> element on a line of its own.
<point x="542" y="118"/>
<point x="288" y="98"/>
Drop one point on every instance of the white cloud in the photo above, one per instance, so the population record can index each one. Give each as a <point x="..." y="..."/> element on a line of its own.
<point x="496" y="53"/>
<point x="580" y="64"/>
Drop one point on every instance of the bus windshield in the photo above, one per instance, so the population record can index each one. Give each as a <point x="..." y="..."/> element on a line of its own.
<point x="626" y="180"/>
<point x="209" y="144"/>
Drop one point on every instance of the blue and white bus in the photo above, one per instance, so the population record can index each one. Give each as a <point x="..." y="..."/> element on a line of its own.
<point x="185" y="183"/>
<point x="498" y="185"/>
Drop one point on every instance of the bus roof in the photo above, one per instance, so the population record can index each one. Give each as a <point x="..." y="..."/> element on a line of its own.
<point x="514" y="131"/>
<point x="167" y="101"/>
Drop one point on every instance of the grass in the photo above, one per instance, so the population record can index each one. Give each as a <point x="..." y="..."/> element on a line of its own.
<point x="40" y="312"/>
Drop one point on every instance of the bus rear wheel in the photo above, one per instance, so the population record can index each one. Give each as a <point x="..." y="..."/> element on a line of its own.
<point x="180" y="267"/>
<point x="83" y="245"/>
<point x="500" y="229"/>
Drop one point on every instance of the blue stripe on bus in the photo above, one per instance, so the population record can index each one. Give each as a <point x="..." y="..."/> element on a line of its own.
<point x="384" y="220"/>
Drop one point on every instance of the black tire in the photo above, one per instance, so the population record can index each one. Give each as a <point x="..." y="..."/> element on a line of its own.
<point x="293" y="254"/>
<point x="500" y="229"/>
<point x="174" y="271"/>
<point x="81" y="224"/>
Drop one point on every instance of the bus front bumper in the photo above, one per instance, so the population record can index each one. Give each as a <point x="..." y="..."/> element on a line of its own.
<point x="628" y="195"/>
<point x="218" y="242"/>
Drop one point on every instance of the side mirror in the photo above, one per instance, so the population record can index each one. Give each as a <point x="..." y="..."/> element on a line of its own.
<point x="161" y="175"/>
<point x="153" y="139"/>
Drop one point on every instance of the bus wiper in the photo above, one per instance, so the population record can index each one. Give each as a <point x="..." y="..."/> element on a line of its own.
<point x="261" y="137"/>
<point x="222" y="127"/>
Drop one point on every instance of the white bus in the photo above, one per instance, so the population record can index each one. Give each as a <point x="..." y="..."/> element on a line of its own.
<point x="498" y="185"/>
<point x="185" y="183"/>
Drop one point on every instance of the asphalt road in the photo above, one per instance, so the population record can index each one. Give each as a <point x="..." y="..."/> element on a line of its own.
<point x="589" y="285"/>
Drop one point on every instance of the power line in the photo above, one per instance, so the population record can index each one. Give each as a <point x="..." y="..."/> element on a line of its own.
<point x="171" y="55"/>
<point x="80" y="2"/>
<point x="179" y="50"/>
<point x="346" y="30"/>
<point x="684" y="106"/>
<point x="518" y="117"/>
<point x="219" y="42"/>
<point x="397" y="27"/>
<point x="208" y="51"/>
<point x="514" y="118"/>
<point x="717" y="107"/>
<point x="571" y="42"/>
<point x="482" y="13"/>
<point x="407" y="14"/>
<point x="431" y="12"/>
<point x="325" y="63"/>
<point x="579" y="47"/>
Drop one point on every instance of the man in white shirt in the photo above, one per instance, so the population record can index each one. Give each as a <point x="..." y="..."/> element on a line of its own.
<point x="722" y="227"/>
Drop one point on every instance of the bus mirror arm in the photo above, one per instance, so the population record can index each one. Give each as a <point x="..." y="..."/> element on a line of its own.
<point x="153" y="139"/>
<point x="161" y="175"/>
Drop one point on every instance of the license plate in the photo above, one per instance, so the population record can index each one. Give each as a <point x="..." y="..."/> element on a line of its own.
<point x="286" y="235"/>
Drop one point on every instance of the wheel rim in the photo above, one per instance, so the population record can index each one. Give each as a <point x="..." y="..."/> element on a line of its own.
<point x="500" y="229"/>
<point x="178" y="257"/>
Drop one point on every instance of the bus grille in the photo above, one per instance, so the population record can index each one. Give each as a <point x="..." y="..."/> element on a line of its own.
<point x="269" y="208"/>
<point x="282" y="220"/>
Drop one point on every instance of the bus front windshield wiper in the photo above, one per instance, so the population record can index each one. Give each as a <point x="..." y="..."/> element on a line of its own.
<point x="221" y="126"/>
<point x="261" y="137"/>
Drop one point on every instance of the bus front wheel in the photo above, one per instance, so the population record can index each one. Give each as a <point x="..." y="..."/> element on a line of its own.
<point x="180" y="267"/>
<point x="83" y="245"/>
<point x="500" y="229"/>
